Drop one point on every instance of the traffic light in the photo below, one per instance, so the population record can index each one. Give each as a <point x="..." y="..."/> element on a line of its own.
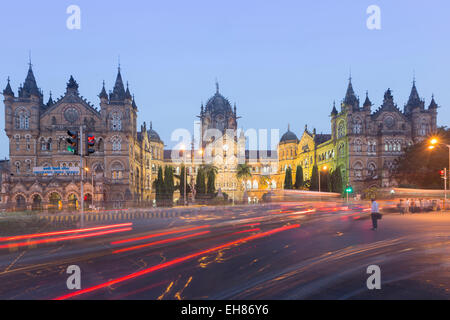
<point x="72" y="142"/>
<point x="90" y="144"/>
<point x="349" y="189"/>
<point x="442" y="173"/>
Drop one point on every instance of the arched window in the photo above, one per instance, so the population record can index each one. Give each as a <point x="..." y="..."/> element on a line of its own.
<point x="255" y="184"/>
<point x="22" y="119"/>
<point x="358" y="167"/>
<point x="116" y="121"/>
<point x="17" y="138"/>
<point x="28" y="139"/>
<point x="17" y="164"/>
<point x="358" y="146"/>
<point x="43" y="145"/>
<point x="371" y="170"/>
<point x="423" y="130"/>
<point x="341" y="151"/>
<point x="357" y="127"/>
<point x="49" y="144"/>
<point x="117" y="171"/>
<point x="116" y="143"/>
<point x="341" y="129"/>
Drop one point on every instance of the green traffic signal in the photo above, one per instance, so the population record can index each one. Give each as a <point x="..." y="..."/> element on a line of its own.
<point x="73" y="142"/>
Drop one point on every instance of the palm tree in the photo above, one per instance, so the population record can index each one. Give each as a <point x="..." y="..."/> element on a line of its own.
<point x="243" y="172"/>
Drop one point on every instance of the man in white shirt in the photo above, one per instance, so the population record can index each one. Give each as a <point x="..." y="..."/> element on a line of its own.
<point x="375" y="214"/>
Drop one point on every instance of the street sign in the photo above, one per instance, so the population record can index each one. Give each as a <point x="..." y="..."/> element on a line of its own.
<point x="50" y="171"/>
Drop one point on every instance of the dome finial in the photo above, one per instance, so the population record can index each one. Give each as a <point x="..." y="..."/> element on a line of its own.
<point x="217" y="86"/>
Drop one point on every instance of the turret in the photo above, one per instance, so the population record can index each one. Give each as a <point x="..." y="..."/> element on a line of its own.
<point x="8" y="93"/>
<point x="103" y="95"/>
<point x="367" y="103"/>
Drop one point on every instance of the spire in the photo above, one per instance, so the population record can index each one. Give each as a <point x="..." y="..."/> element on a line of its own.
<point x="151" y="125"/>
<point x="133" y="103"/>
<point x="29" y="86"/>
<point x="8" y="91"/>
<point x="414" y="100"/>
<point x="118" y="93"/>
<point x="433" y="104"/>
<point x="217" y="86"/>
<point x="367" y="103"/>
<point x="350" y="97"/>
<point x="334" y="112"/>
<point x="50" y="100"/>
<point x="103" y="94"/>
<point x="127" y="93"/>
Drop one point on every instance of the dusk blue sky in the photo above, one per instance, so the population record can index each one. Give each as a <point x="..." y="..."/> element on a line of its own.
<point x="280" y="61"/>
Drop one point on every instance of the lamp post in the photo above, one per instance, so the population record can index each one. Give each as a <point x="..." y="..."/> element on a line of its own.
<point x="433" y="143"/>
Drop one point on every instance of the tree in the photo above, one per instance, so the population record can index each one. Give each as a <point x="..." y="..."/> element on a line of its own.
<point x="243" y="172"/>
<point x="314" y="179"/>
<point x="210" y="172"/>
<point x="160" y="187"/>
<point x="288" y="179"/>
<point x="419" y="166"/>
<point x="336" y="180"/>
<point x="181" y="178"/>
<point x="299" y="178"/>
<point x="200" y="186"/>
<point x="169" y="186"/>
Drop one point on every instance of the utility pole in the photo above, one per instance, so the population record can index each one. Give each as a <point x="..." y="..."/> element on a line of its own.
<point x="82" y="176"/>
<point x="185" y="176"/>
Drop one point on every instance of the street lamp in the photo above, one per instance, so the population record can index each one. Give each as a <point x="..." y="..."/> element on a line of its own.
<point x="324" y="169"/>
<point x="433" y="143"/>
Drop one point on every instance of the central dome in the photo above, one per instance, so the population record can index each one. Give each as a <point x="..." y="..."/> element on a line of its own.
<point x="218" y="103"/>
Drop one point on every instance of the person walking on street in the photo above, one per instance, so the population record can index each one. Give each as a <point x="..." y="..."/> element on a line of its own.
<point x="375" y="213"/>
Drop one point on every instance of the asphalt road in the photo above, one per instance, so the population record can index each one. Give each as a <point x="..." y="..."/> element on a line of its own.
<point x="278" y="251"/>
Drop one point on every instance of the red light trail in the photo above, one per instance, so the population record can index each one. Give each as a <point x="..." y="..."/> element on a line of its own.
<point x="49" y="234"/>
<point x="175" y="261"/>
<point x="80" y="236"/>
<point x="161" y="242"/>
<point x="159" y="235"/>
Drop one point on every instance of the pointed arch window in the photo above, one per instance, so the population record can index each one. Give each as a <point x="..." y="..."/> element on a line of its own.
<point x="22" y="119"/>
<point x="341" y="129"/>
<point x="116" y="121"/>
<point x="116" y="143"/>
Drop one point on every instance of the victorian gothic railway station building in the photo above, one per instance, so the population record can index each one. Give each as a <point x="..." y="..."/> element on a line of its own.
<point x="120" y="168"/>
<point x="364" y="144"/>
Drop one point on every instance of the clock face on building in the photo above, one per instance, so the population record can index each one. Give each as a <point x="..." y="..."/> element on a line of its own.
<point x="389" y="122"/>
<point x="71" y="114"/>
